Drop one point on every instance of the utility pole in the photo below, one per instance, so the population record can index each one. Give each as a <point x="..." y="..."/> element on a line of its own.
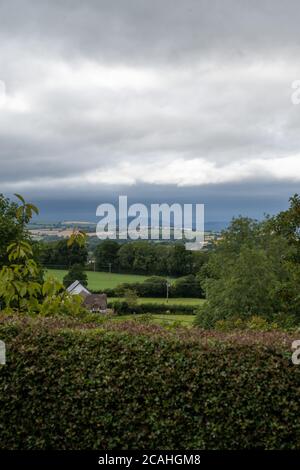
<point x="168" y="285"/>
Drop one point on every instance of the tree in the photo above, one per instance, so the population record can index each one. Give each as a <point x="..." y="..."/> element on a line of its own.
<point x="251" y="272"/>
<point x="131" y="297"/>
<point x="154" y="286"/>
<point x="22" y="289"/>
<point x="76" y="273"/>
<point x="186" y="286"/>
<point x="61" y="254"/>
<point x="144" y="257"/>
<point x="181" y="261"/>
<point x="162" y="255"/>
<point x="126" y="257"/>
<point x="106" y="254"/>
<point x="287" y="224"/>
<point x="11" y="228"/>
<point x="249" y="286"/>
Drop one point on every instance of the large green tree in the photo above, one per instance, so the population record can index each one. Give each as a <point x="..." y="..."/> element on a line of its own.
<point x="60" y="254"/>
<point x="252" y="271"/>
<point x="180" y="261"/>
<point x="106" y="255"/>
<point x="287" y="224"/>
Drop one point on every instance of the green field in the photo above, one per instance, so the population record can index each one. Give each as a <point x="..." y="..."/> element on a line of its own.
<point x="171" y="301"/>
<point x="100" y="280"/>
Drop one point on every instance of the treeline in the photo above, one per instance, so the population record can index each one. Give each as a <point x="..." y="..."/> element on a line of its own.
<point x="140" y="257"/>
<point x="61" y="256"/>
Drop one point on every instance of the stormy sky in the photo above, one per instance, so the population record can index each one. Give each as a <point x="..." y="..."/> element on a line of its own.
<point x="163" y="100"/>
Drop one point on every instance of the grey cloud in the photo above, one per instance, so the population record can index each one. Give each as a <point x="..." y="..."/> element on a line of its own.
<point x="139" y="30"/>
<point x="110" y="87"/>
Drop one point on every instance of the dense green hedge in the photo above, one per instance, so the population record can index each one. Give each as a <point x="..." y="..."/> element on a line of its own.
<point x="122" y="307"/>
<point x="137" y="386"/>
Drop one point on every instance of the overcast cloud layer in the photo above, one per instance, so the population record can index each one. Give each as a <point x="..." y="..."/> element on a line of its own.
<point x="131" y="93"/>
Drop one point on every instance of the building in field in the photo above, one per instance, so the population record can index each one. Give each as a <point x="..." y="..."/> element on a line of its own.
<point x="96" y="303"/>
<point x="92" y="302"/>
<point x="77" y="288"/>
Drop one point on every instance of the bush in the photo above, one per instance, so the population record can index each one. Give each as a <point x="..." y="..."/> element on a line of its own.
<point x="156" y="286"/>
<point x="255" y="323"/>
<point x="186" y="286"/>
<point x="123" y="307"/>
<point x="109" y="292"/>
<point x="230" y="324"/>
<point x="135" y="386"/>
<point x="207" y="320"/>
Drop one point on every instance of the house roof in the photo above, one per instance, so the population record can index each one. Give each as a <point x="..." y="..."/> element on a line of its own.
<point x="77" y="288"/>
<point x="96" y="301"/>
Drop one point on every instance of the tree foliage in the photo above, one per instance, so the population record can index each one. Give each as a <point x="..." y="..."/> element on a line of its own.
<point x="61" y="254"/>
<point x="11" y="227"/>
<point x="254" y="270"/>
<point x="142" y="257"/>
<point x="76" y="273"/>
<point x="22" y="289"/>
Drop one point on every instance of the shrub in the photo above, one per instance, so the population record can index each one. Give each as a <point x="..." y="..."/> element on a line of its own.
<point x="156" y="286"/>
<point x="258" y="323"/>
<point x="186" y="286"/>
<point x="123" y="307"/>
<point x="109" y="292"/>
<point x="230" y="324"/>
<point x="132" y="386"/>
<point x="207" y="317"/>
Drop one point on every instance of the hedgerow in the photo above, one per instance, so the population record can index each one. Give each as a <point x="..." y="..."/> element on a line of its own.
<point x="122" y="307"/>
<point x="68" y="385"/>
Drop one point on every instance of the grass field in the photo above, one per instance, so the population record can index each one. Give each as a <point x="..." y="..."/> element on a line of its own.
<point x="100" y="280"/>
<point x="171" y="301"/>
<point x="103" y="280"/>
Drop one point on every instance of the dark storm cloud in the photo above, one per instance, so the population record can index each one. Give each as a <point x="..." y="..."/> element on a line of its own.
<point x="169" y="30"/>
<point x="136" y="94"/>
